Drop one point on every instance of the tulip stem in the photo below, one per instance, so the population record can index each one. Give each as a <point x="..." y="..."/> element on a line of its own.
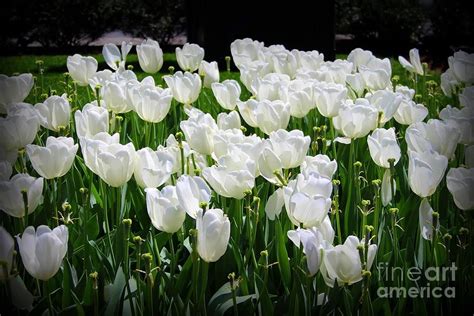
<point x="349" y="179"/>
<point x="107" y="226"/>
<point x="47" y="291"/>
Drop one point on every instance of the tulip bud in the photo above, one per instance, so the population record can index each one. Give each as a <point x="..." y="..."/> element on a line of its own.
<point x="213" y="233"/>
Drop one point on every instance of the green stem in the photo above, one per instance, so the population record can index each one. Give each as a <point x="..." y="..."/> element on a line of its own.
<point x="349" y="179"/>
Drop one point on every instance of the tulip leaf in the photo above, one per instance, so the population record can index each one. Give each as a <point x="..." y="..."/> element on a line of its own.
<point x="116" y="293"/>
<point x="222" y="308"/>
<point x="92" y="227"/>
<point x="282" y="255"/>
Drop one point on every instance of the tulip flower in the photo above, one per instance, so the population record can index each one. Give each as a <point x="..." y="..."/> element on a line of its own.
<point x="425" y="171"/>
<point x="42" y="251"/>
<point x="356" y="119"/>
<point x="359" y="57"/>
<point x="329" y="98"/>
<point x="462" y="120"/>
<point x="426" y="220"/>
<point x="250" y="72"/>
<point x="115" y="163"/>
<point x="285" y="63"/>
<point x="377" y="74"/>
<point x="342" y="263"/>
<point x="460" y="182"/>
<point x="383" y="146"/>
<point x="91" y="120"/>
<point x="199" y="132"/>
<point x="409" y="112"/>
<point x="115" y="95"/>
<point x="189" y="57"/>
<point x="436" y="134"/>
<point x="7" y="247"/>
<point x="245" y="51"/>
<point x="90" y="147"/>
<point x="11" y="196"/>
<point x="150" y="56"/>
<point x="320" y="164"/>
<point x="462" y="66"/>
<point x="227" y="93"/>
<point x="466" y="97"/>
<point x="192" y="191"/>
<point x="275" y="204"/>
<point x="6" y="170"/>
<point x="114" y="57"/>
<point x="414" y="65"/>
<point x="55" y="159"/>
<point x="449" y="84"/>
<point x="330" y="72"/>
<point x="18" y="131"/>
<point x="299" y="95"/>
<point x="469" y="156"/>
<point x="313" y="245"/>
<point x="268" y="116"/>
<point x="210" y="72"/>
<point x="164" y="209"/>
<point x="152" y="168"/>
<point x="184" y="87"/>
<point x="268" y="87"/>
<point x="81" y="68"/>
<point x="307" y="199"/>
<point x="213" y="234"/>
<point x="386" y="102"/>
<point x="229" y="120"/>
<point x="151" y="103"/>
<point x="14" y="89"/>
<point x="309" y="60"/>
<point x="291" y="147"/>
<point x="54" y="112"/>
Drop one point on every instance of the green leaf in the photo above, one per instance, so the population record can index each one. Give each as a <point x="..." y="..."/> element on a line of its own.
<point x="116" y="293"/>
<point x="92" y="227"/>
<point x="229" y="303"/>
<point x="282" y="255"/>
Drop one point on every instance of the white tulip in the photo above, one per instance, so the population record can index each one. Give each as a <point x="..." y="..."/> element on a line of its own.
<point x="164" y="209"/>
<point x="285" y="63"/>
<point x="342" y="263"/>
<point x="425" y="215"/>
<point x="320" y="164"/>
<point x="90" y="148"/>
<point x="436" y="134"/>
<point x="210" y="72"/>
<point x="377" y="74"/>
<point x="42" y="251"/>
<point x="275" y="204"/>
<point x="383" y="146"/>
<point x="114" y="57"/>
<point x="101" y="78"/>
<point x="291" y="147"/>
<point x="189" y="57"/>
<point x="229" y="183"/>
<point x="11" y="196"/>
<point x="359" y="57"/>
<point x="313" y="244"/>
<point x="150" y="56"/>
<point x="425" y="171"/>
<point x="227" y="93"/>
<point x="355" y="84"/>
<point x="250" y="72"/>
<point x="245" y="51"/>
<point x="466" y="97"/>
<point x="386" y="190"/>
<point x="449" y="83"/>
<point x="18" y="131"/>
<point x="199" y="132"/>
<point x="356" y="119"/>
<point x="229" y="120"/>
<point x="460" y="182"/>
<point x="152" y="168"/>
<point x="267" y="115"/>
<point x="91" y="120"/>
<point x="309" y="60"/>
<point x="7" y="247"/>
<point x="469" y="156"/>
<point x="213" y="234"/>
<point x="14" y="89"/>
<point x="81" y="68"/>
<point x="300" y="97"/>
<point x="386" y="102"/>
<point x="54" y="112"/>
<point x="192" y="191"/>
<point x="115" y="163"/>
<point x="55" y="159"/>
<point x="409" y="112"/>
<point x="462" y="120"/>
<point x="414" y="65"/>
<point x="462" y="66"/>
<point x="6" y="170"/>
<point x="115" y="95"/>
<point x="329" y="98"/>
<point x="184" y="87"/>
<point x="151" y="103"/>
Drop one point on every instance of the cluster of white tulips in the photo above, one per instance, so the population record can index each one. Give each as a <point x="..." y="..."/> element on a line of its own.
<point x="190" y="174"/>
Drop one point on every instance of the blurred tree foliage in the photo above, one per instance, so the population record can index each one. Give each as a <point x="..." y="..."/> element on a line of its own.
<point x="439" y="26"/>
<point x="63" y="23"/>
